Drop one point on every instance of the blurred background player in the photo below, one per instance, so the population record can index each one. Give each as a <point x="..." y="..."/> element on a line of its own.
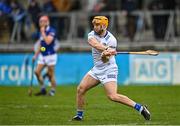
<point x="105" y="70"/>
<point x="47" y="55"/>
<point x="45" y="74"/>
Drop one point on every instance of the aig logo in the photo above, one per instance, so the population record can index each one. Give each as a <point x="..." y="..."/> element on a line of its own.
<point x="151" y="70"/>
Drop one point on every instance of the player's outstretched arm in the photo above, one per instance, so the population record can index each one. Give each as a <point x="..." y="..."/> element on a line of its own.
<point x="102" y="48"/>
<point x="94" y="43"/>
<point x="36" y="52"/>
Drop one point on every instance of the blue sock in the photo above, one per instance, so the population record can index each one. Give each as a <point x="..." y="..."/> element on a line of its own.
<point x="43" y="90"/>
<point x="52" y="92"/>
<point x="79" y="113"/>
<point x="138" y="107"/>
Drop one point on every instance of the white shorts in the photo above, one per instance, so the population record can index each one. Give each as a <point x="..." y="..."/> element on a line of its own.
<point x="48" y="60"/>
<point x="105" y="75"/>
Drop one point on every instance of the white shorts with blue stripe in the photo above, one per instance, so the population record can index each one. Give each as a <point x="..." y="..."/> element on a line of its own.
<point x="104" y="75"/>
<point x="48" y="60"/>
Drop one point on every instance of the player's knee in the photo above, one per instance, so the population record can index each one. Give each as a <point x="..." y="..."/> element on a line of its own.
<point x="112" y="97"/>
<point x="80" y="90"/>
<point x="36" y="73"/>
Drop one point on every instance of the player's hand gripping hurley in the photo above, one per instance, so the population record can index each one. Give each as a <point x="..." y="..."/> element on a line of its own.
<point x="105" y="56"/>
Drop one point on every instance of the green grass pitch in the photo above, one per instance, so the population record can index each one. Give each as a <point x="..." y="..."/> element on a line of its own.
<point x="16" y="107"/>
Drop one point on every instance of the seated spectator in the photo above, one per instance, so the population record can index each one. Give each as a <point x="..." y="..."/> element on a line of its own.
<point x="160" y="22"/>
<point x="5" y="7"/>
<point x="19" y="16"/>
<point x="5" y="20"/>
<point x="34" y="11"/>
<point x="62" y="5"/>
<point x="129" y="6"/>
<point x="62" y="21"/>
<point x="48" y="6"/>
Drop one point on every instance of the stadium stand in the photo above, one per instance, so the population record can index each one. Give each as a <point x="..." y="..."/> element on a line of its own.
<point x="134" y="23"/>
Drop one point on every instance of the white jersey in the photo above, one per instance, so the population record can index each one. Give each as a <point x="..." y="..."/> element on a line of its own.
<point x="108" y="40"/>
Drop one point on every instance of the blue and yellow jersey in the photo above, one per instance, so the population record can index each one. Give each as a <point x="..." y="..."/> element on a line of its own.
<point x="45" y="48"/>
